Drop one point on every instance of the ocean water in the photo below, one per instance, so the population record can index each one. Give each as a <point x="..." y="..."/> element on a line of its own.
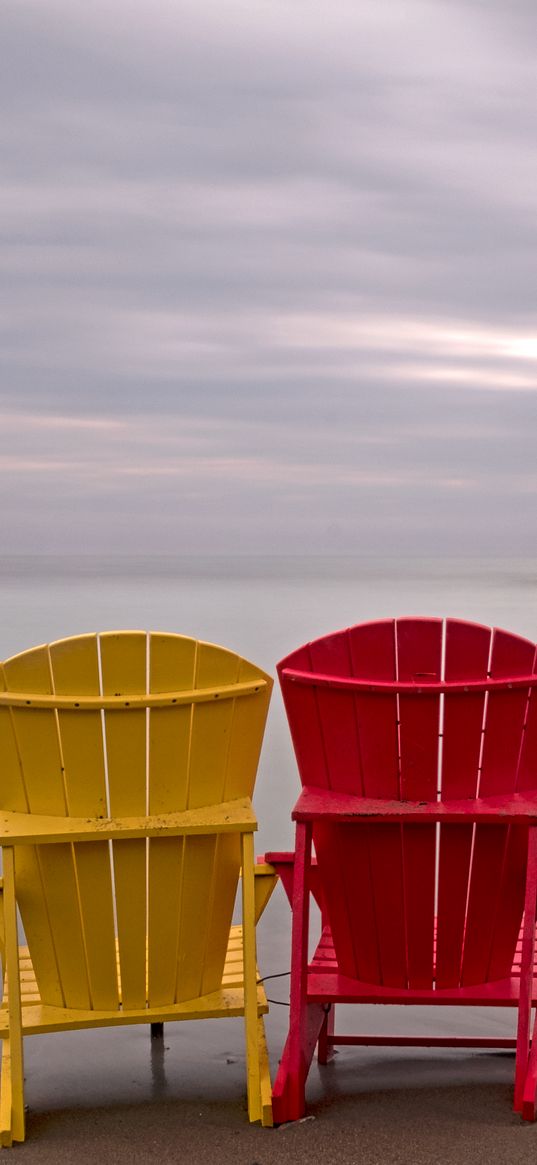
<point x="261" y="608"/>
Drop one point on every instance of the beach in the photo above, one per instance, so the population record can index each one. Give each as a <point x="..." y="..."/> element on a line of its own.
<point x="116" y="1097"/>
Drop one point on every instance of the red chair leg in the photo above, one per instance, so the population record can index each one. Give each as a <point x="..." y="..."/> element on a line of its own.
<point x="529" y="1095"/>
<point x="289" y="1092"/>
<point x="305" y="1019"/>
<point x="530" y="1089"/>
<point x="523" y="1071"/>
<point x="282" y="1100"/>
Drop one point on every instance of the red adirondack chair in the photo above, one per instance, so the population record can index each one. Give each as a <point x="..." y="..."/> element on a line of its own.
<point x="416" y="743"/>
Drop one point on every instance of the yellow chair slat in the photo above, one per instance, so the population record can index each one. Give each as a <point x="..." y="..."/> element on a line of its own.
<point x="196" y="888"/>
<point x="59" y="877"/>
<point x="75" y="671"/>
<point x="165" y="870"/>
<point x="36" y="733"/>
<point x="202" y="933"/>
<point x="226" y="867"/>
<point x="247" y="738"/>
<point x="124" y="671"/>
<point x="212" y="727"/>
<point x="12" y="788"/>
<point x="32" y="903"/>
<point x="172" y="664"/>
<point x="94" y="883"/>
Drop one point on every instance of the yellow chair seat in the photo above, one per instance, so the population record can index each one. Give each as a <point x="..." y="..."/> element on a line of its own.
<point x="39" y="1018"/>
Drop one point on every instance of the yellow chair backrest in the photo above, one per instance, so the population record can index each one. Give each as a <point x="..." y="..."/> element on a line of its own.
<point x="129" y="923"/>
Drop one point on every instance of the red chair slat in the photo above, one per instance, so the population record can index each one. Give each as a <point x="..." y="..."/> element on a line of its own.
<point x="527" y="762"/>
<point x="372" y="647"/>
<point x="351" y="904"/>
<point x="337" y="715"/>
<point x="372" y="650"/>
<point x="304" y="722"/>
<point x="419" y="657"/>
<point x="467" y="653"/>
<point x="509" y="903"/>
<point x="467" y="650"/>
<point x="505" y="715"/>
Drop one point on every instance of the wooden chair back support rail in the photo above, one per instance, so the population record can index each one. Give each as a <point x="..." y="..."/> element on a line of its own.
<point x="416" y="744"/>
<point x="129" y="762"/>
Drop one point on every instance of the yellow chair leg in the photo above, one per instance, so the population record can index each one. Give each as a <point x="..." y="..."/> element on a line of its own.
<point x="264" y="1071"/>
<point x="12" y="1083"/>
<point x="6" y="1123"/>
<point x="265" y="879"/>
<point x="250" y="974"/>
<point x="12" y="1123"/>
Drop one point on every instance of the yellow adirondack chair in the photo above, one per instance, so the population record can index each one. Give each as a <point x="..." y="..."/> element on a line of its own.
<point x="127" y="765"/>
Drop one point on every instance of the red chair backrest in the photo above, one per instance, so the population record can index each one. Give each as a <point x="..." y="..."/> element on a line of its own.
<point x="418" y="906"/>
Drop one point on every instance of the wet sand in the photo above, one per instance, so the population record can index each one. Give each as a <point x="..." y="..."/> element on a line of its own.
<point x="116" y="1097"/>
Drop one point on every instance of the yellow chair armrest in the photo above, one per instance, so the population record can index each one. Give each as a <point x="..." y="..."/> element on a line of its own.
<point x="265" y="878"/>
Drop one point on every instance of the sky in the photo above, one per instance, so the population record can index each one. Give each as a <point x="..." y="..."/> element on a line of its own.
<point x="269" y="277"/>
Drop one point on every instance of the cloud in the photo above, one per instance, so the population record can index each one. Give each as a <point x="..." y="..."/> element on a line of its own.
<point x="270" y="275"/>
